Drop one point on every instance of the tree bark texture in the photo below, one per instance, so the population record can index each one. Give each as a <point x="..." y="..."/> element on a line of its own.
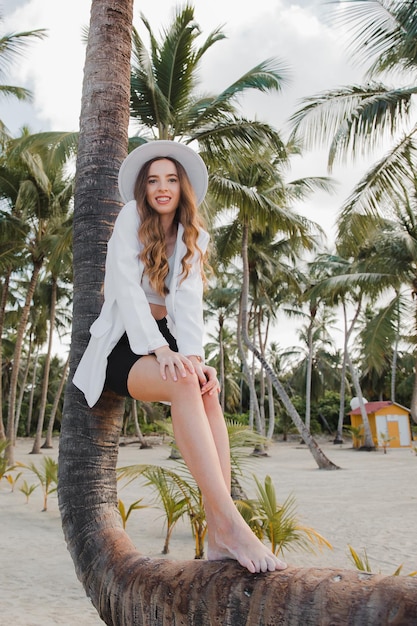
<point x="129" y="589"/>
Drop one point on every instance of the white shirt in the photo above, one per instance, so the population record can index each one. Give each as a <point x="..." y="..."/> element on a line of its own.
<point x="126" y="309"/>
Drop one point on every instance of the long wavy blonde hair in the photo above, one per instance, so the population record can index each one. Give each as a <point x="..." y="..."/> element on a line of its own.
<point x="151" y="235"/>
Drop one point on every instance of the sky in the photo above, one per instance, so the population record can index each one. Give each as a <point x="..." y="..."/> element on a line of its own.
<point x="299" y="34"/>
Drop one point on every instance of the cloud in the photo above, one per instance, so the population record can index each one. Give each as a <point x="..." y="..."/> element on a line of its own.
<point x="268" y="28"/>
<point x="52" y="68"/>
<point x="295" y="33"/>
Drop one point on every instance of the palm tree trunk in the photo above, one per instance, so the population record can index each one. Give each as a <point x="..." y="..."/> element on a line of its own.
<point x="3" y="302"/>
<point x="339" y="434"/>
<point x="16" y="361"/>
<point x="22" y="388"/>
<point x="395" y="351"/>
<point x="271" y="406"/>
<point x="309" y="373"/>
<point x="138" y="431"/>
<point x="270" y="389"/>
<point x="45" y="382"/>
<point x="32" y="393"/>
<point x="51" y="421"/>
<point x="222" y="379"/>
<point x="248" y="375"/>
<point x="368" y="443"/>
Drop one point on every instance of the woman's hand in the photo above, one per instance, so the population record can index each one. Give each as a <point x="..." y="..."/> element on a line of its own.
<point x="176" y="363"/>
<point x="207" y="376"/>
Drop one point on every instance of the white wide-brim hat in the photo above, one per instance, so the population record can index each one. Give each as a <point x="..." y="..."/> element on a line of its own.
<point x="189" y="159"/>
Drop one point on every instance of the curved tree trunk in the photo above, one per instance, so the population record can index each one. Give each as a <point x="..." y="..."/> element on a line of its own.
<point x="129" y="589"/>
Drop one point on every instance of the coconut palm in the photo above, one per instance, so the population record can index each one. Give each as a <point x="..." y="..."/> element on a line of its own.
<point x="377" y="338"/>
<point x="347" y="285"/>
<point x="223" y="355"/>
<point x="279" y="523"/>
<point x="253" y="186"/>
<point x="47" y="474"/>
<point x="166" y="102"/>
<point x="59" y="261"/>
<point x="388" y="256"/>
<point x="271" y="280"/>
<point x="313" y="356"/>
<point x="40" y="197"/>
<point x="356" y="119"/>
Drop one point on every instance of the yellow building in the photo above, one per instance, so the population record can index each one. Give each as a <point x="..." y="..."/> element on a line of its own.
<point x="389" y="422"/>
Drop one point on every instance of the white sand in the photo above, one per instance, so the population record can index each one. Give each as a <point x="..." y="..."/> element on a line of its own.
<point x="370" y="503"/>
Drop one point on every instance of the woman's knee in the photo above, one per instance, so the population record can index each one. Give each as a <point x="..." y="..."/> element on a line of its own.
<point x="212" y="405"/>
<point x="188" y="383"/>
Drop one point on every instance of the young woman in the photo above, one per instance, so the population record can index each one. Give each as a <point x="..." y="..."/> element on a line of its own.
<point x="147" y="342"/>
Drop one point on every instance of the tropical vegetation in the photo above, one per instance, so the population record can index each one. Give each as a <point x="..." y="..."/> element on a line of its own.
<point x="262" y="249"/>
<point x="267" y="260"/>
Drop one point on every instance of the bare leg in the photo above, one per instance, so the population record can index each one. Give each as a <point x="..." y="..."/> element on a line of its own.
<point x="218" y="429"/>
<point x="204" y="453"/>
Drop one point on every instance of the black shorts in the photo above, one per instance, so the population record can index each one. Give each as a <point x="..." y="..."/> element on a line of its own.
<point x="121" y="360"/>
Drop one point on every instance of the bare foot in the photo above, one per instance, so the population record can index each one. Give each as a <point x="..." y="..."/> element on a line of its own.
<point x="241" y="544"/>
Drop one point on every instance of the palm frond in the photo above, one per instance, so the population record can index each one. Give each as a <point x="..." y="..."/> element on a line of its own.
<point x="383" y="32"/>
<point x="13" y="45"/>
<point x="384" y="182"/>
<point x="270" y="75"/>
<point x="353" y="120"/>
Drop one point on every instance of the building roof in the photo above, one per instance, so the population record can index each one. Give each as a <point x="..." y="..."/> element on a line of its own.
<point x="373" y="407"/>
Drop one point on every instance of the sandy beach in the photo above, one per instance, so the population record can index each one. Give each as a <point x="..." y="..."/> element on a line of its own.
<point x="371" y="503"/>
